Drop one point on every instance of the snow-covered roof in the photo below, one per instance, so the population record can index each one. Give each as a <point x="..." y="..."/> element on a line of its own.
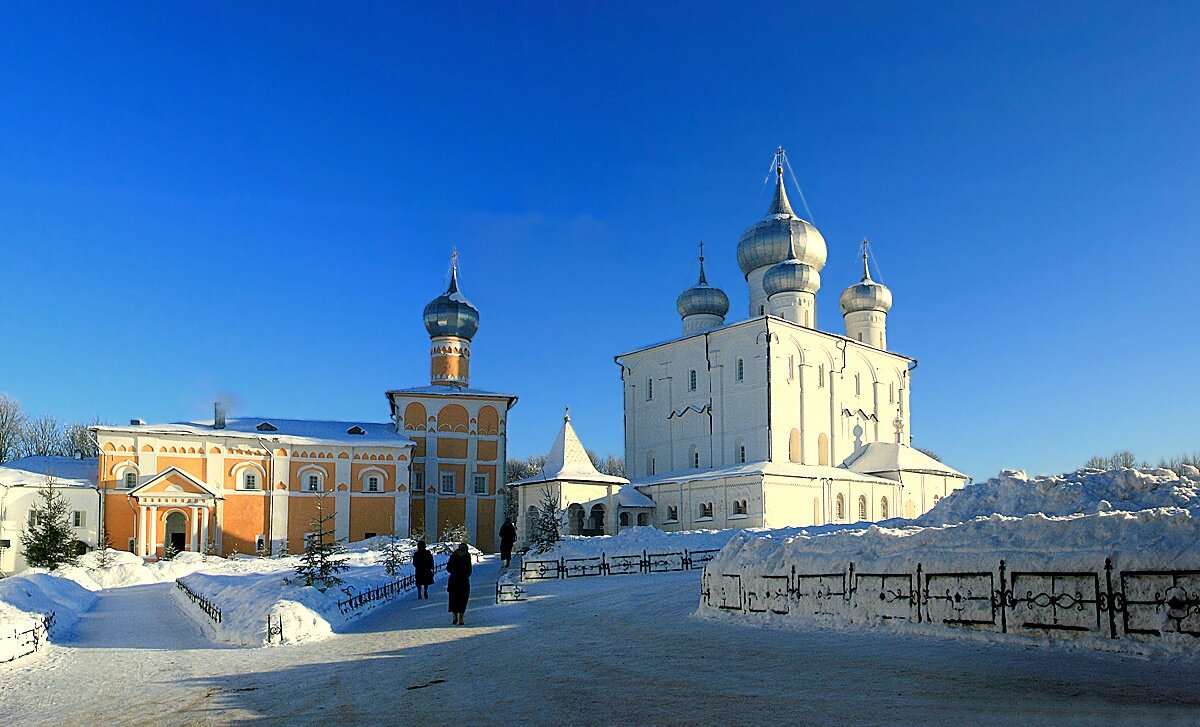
<point x="66" y="471"/>
<point x="568" y="461"/>
<point x="452" y="390"/>
<point x="630" y="496"/>
<point x="879" y="457"/>
<point x="779" y="469"/>
<point x="276" y="429"/>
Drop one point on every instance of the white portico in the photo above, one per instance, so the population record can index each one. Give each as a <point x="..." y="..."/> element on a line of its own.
<point x="173" y="509"/>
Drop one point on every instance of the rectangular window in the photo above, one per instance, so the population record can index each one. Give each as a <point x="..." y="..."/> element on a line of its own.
<point x="314" y="483"/>
<point x="447" y="483"/>
<point x="130" y="480"/>
<point x="857" y="385"/>
<point x="79" y="518"/>
<point x="821" y="376"/>
<point x="481" y="484"/>
<point x="742" y="454"/>
<point x="133" y="545"/>
<point x="251" y="482"/>
<point x="891" y="393"/>
<point x="692" y="380"/>
<point x="741" y="370"/>
<point x="649" y="389"/>
<point x="372" y="484"/>
<point x="791" y="367"/>
<point x="418" y="481"/>
<point x="695" y="460"/>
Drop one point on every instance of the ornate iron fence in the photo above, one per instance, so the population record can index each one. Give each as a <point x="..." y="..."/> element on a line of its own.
<point x="382" y="593"/>
<point x="210" y="609"/>
<point x="31" y="639"/>
<point x="1148" y="603"/>
<point x="613" y="565"/>
<point x="274" y="628"/>
<point x="509" y="592"/>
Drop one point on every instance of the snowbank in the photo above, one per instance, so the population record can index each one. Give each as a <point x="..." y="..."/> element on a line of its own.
<point x="1141" y="520"/>
<point x="632" y="541"/>
<point x="25" y="600"/>
<point x="249" y="590"/>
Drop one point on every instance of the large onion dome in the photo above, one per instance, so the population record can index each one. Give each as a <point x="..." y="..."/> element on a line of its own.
<point x="702" y="298"/>
<point x="791" y="276"/>
<point x="766" y="242"/>
<point x="866" y="295"/>
<point x="451" y="314"/>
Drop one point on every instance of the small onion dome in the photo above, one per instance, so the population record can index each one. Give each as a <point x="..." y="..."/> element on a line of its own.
<point x="791" y="276"/>
<point x="451" y="314"/>
<point x="766" y="242"/>
<point x="702" y="298"/>
<point x="866" y="295"/>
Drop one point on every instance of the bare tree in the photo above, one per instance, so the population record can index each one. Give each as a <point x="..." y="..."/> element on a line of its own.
<point x="1124" y="458"/>
<point x="44" y="436"/>
<point x="12" y="428"/>
<point x="1097" y="462"/>
<point x="928" y="453"/>
<point x="519" y="469"/>
<point x="609" y="464"/>
<point x="80" y="439"/>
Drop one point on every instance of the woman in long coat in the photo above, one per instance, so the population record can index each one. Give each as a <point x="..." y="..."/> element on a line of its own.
<point x="458" y="585"/>
<point x="508" y="537"/>
<point x="423" y="565"/>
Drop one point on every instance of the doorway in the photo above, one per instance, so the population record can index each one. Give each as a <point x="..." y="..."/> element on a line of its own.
<point x="176" y="531"/>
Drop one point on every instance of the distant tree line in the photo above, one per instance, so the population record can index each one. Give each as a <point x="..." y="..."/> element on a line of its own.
<point x="22" y="435"/>
<point x="1125" y="458"/>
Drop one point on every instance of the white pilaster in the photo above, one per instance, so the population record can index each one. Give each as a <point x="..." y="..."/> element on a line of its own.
<point x="205" y="513"/>
<point x="141" y="531"/>
<point x="195" y="534"/>
<point x="153" y="532"/>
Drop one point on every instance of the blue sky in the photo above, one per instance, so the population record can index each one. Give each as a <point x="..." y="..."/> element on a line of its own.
<point x="259" y="199"/>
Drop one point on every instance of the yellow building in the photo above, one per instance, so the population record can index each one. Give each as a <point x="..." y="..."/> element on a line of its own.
<point x="251" y="484"/>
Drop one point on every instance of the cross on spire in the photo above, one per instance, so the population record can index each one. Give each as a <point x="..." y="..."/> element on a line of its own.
<point x="866" y="269"/>
<point x="703" y="279"/>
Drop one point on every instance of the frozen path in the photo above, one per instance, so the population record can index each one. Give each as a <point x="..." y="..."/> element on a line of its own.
<point x="159" y="624"/>
<point x="592" y="651"/>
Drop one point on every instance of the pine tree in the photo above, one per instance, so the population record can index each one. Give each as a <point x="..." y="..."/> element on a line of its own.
<point x="49" y="541"/>
<point x="547" y="529"/>
<point x="320" y="563"/>
<point x="393" y="556"/>
<point x="105" y="557"/>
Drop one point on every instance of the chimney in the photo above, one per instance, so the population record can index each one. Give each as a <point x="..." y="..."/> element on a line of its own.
<point x="137" y="422"/>
<point x="218" y="415"/>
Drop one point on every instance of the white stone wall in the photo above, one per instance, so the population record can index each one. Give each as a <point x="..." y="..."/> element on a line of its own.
<point x="14" y="518"/>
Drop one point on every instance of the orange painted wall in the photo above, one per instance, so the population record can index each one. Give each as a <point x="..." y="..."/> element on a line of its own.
<point x="302" y="511"/>
<point x="387" y="480"/>
<point x="194" y="466"/>
<point x="451" y="448"/>
<point x="485" y="525"/>
<point x="120" y="520"/>
<point x="451" y="511"/>
<point x="371" y="515"/>
<point x="488" y="450"/>
<point x="245" y="516"/>
<point x="490" y="471"/>
<point x="419" y="450"/>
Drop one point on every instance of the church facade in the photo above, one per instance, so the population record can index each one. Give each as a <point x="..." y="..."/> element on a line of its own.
<point x="251" y="484"/>
<point x="769" y="421"/>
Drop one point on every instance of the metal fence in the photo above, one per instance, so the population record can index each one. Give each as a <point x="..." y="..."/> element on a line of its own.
<point x="382" y="593"/>
<point x="509" y="592"/>
<point x="211" y="609"/>
<point x="30" y="640"/>
<point x="1103" y="603"/>
<point x="614" y="565"/>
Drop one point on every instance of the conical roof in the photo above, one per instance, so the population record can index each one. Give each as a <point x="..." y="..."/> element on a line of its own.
<point x="568" y="460"/>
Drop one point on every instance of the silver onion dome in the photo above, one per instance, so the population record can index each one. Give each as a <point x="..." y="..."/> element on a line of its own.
<point x="451" y="314"/>
<point x="702" y="298"/>
<point x="766" y="242"/>
<point x="791" y="276"/>
<point x="866" y="295"/>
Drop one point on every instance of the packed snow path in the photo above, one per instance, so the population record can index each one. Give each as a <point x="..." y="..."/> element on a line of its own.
<point x="589" y="651"/>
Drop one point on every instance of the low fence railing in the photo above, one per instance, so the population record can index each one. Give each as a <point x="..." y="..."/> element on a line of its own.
<point x="212" y="610"/>
<point x="30" y="640"/>
<point x="614" y="565"/>
<point x="384" y="592"/>
<point x="1103" y="603"/>
<point x="507" y="592"/>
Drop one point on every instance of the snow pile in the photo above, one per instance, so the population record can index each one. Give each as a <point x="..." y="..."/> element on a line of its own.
<point x="26" y="599"/>
<point x="1143" y="520"/>
<point x="249" y="590"/>
<point x="633" y="540"/>
<point x="127" y="569"/>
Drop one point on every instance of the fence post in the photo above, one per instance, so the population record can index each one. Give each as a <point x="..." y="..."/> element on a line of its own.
<point x="1003" y="600"/>
<point x="918" y="593"/>
<point x="1112" y="603"/>
<point x="645" y="565"/>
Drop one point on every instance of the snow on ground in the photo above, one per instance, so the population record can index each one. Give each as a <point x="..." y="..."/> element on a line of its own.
<point x="26" y="599"/>
<point x="249" y="590"/>
<point x="585" y="651"/>
<point x="633" y="540"/>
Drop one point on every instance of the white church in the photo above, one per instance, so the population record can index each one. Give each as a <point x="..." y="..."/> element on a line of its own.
<point x="765" y="421"/>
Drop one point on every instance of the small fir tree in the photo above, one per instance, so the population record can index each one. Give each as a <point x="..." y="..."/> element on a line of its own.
<point x="169" y="552"/>
<point x="455" y="534"/>
<point x="49" y="541"/>
<point x="547" y="528"/>
<point x="320" y="563"/>
<point x="393" y="556"/>
<point x="105" y="557"/>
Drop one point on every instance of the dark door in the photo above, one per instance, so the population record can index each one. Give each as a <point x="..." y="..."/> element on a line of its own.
<point x="177" y="542"/>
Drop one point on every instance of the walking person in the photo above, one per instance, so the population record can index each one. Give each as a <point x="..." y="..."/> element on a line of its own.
<point x="508" y="537"/>
<point x="458" y="585"/>
<point x="423" y="564"/>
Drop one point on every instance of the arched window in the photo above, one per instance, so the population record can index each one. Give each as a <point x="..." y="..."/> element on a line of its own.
<point x="883" y="508"/>
<point x="822" y="449"/>
<point x="862" y="507"/>
<point x="740" y="507"/>
<point x="531" y="518"/>
<point x="857" y="385"/>
<point x="741" y="370"/>
<point x="839" y="511"/>
<point x="821" y="376"/>
<point x="794" y="445"/>
<point x="672" y="513"/>
<point x="624" y="519"/>
<point x="597" y="518"/>
<point x="695" y="458"/>
<point x="742" y="453"/>
<point x="935" y="499"/>
<point x="643" y="519"/>
<point x="575" y="518"/>
<point x="692" y="380"/>
<point x="910" y="510"/>
<point x="817" y="511"/>
<point x="130" y="479"/>
<point x="649" y="389"/>
<point x="706" y="510"/>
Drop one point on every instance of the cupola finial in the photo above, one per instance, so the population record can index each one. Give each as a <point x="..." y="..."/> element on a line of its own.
<point x="866" y="269"/>
<point x="703" y="279"/>
<point x="567" y="414"/>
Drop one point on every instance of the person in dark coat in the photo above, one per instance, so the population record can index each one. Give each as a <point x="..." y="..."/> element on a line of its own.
<point x="423" y="564"/>
<point x="458" y="585"/>
<point x="508" y="536"/>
